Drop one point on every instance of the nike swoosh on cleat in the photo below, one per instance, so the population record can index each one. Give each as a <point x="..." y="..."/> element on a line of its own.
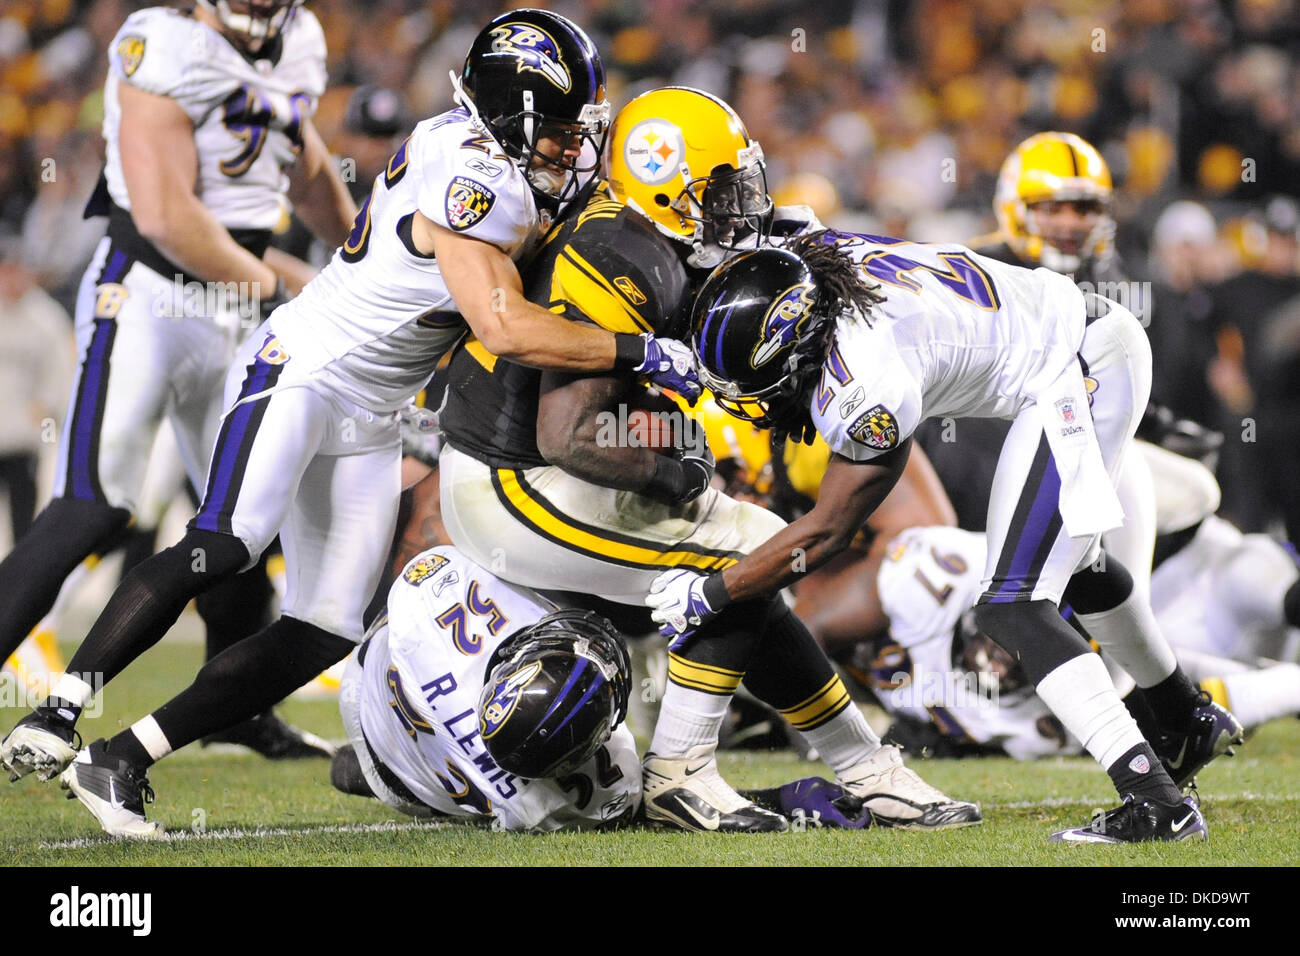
<point x="113" y="801"/>
<point x="1177" y="762"/>
<point x="691" y="771"/>
<point x="1175" y="827"/>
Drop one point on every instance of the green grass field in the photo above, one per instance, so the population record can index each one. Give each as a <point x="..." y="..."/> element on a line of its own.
<point x="228" y="809"/>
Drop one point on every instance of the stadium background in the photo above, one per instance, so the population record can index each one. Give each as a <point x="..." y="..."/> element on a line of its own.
<point x="886" y="116"/>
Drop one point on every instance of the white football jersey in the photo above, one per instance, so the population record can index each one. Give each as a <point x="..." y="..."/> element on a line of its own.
<point x="422" y="677"/>
<point x="958" y="335"/>
<point x="248" y="115"/>
<point x="930" y="577"/>
<point x="378" y="317"/>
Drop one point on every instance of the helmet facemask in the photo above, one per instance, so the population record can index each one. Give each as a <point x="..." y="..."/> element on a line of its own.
<point x="1066" y="249"/>
<point x="730" y="208"/>
<point x="259" y="26"/>
<point x="561" y="177"/>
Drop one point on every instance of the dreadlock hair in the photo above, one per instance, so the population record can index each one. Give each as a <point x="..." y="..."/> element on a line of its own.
<point x="841" y="287"/>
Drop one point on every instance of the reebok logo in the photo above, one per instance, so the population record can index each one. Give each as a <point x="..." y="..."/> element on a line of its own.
<point x="74" y="908"/>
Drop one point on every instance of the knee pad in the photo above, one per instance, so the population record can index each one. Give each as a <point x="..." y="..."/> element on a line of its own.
<point x="1092" y="591"/>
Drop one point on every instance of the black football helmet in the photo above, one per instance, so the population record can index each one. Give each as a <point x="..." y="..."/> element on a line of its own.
<point x="533" y="74"/>
<point x="749" y="317"/>
<point x="554" y="692"/>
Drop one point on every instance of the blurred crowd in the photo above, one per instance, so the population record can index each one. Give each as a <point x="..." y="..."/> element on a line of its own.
<point x="889" y="116"/>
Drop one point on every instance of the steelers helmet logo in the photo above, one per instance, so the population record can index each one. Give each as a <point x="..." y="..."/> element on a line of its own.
<point x="505" y="695"/>
<point x="468" y="201"/>
<point x="654" y="151"/>
<point x="783" y="324"/>
<point x="535" y="51"/>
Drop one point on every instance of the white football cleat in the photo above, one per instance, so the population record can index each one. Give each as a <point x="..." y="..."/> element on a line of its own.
<point x="689" y="792"/>
<point x="897" y="797"/>
<point x="40" y="745"/>
<point x="113" y="790"/>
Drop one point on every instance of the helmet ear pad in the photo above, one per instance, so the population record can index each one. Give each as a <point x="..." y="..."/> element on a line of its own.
<point x="554" y="693"/>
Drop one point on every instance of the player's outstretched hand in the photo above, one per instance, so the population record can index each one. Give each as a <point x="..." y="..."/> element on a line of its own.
<point x="670" y="364"/>
<point x="678" y="605"/>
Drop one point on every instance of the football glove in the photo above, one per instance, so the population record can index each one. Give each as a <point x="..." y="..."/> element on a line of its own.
<point x="677" y="603"/>
<point x="670" y="364"/>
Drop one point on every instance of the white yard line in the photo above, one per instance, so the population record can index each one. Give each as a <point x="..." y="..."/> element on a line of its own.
<point x="257" y="833"/>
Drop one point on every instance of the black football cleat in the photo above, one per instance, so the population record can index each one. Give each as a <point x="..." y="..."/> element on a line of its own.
<point x="39" y="744"/>
<point x="113" y="790"/>
<point x="1141" y="821"/>
<point x="273" y="738"/>
<point x="1211" y="731"/>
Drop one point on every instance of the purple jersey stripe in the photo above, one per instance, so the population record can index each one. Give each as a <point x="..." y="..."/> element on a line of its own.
<point x="1039" y="524"/>
<point x="89" y="411"/>
<point x="229" y="444"/>
<point x="116" y="267"/>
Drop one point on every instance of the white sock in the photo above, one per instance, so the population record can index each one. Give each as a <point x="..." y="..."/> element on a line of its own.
<point x="1256" y="697"/>
<point x="1081" y="695"/>
<point x="1130" y="634"/>
<point x="151" y="737"/>
<point x="73" y="689"/>
<point x="687" y="718"/>
<point x="845" y="740"/>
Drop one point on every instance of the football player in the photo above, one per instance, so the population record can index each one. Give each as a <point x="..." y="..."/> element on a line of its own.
<point x="935" y="668"/>
<point x="538" y="484"/>
<point x="309" y="444"/>
<point x="205" y="114"/>
<point x="805" y="343"/>
<point x="476" y="699"/>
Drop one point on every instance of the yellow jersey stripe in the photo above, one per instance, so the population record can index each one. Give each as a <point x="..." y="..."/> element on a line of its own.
<point x="481" y="355"/>
<point x="540" y="516"/>
<point x="584" y="276"/>
<point x="703" y="677"/>
<point x="819" y="708"/>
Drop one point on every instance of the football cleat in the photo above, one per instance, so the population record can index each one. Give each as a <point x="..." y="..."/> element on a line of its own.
<point x="1139" y="821"/>
<point x="273" y="738"/>
<point x="897" y="797"/>
<point x="346" y="774"/>
<point x="113" y="790"/>
<point x="1211" y="732"/>
<point x="39" y="744"/>
<point x="689" y="792"/>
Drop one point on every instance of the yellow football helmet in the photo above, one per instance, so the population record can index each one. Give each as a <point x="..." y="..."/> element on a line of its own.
<point x="684" y="160"/>
<point x="1053" y="201"/>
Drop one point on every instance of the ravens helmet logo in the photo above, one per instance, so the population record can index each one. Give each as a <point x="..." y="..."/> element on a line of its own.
<point x="536" y="50"/>
<point x="784" y="323"/>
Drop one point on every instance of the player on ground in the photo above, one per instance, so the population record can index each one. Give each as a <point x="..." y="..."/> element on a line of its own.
<point x="806" y="345"/>
<point x="207" y="126"/>
<point x="538" y="484"/>
<point x="933" y="668"/>
<point x="476" y="699"/>
<point x="309" y="444"/>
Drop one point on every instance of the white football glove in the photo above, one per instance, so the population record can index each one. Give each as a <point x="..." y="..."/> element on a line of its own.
<point x="678" y="604"/>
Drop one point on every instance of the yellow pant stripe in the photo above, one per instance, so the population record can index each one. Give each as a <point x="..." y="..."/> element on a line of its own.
<point x="541" y="517"/>
<point x="820" y="707"/>
<point x="1216" y="689"/>
<point x="706" y="677"/>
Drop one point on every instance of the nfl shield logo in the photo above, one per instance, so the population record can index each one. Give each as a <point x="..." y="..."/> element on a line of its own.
<point x="1065" y="406"/>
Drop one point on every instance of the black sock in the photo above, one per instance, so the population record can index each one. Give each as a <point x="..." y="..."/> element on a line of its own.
<point x="63" y="535"/>
<point x="1034" y="633"/>
<point x="1173" y="699"/>
<point x="235" y="608"/>
<point x="1139" y="772"/>
<point x="248" y="678"/>
<point x="1142" y="713"/>
<point x="127" y="746"/>
<point x="1291" y="604"/>
<point x="789" y="667"/>
<point x="150" y="599"/>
